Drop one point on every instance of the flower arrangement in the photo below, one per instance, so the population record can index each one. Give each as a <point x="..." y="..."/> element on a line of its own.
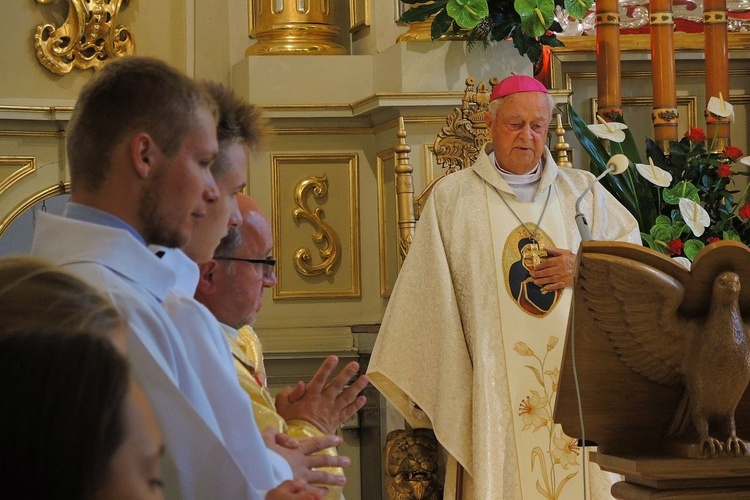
<point x="682" y="201"/>
<point x="529" y="23"/>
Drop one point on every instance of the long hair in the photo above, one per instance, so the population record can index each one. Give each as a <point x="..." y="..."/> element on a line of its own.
<point x="62" y="397"/>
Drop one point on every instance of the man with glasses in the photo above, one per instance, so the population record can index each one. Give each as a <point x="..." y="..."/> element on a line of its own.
<point x="238" y="132"/>
<point x="231" y="286"/>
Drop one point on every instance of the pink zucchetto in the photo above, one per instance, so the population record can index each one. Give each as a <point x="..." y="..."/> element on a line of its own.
<point x="515" y="84"/>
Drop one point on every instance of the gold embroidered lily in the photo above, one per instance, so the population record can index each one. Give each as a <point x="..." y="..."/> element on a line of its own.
<point x="533" y="411"/>
<point x="566" y="450"/>
<point x="694" y="215"/>
<point x="654" y="174"/>
<point x="720" y="107"/>
<point x="612" y="131"/>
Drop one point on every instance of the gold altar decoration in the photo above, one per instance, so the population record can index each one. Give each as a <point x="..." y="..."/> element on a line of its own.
<point x="89" y="37"/>
<point x="324" y="234"/>
<point x="404" y="194"/>
<point x="411" y="471"/>
<point x="294" y="27"/>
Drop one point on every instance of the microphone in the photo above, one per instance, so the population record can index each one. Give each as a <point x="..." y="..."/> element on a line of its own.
<point x="616" y="165"/>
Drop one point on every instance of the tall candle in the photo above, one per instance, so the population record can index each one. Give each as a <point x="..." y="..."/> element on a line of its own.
<point x="663" y="72"/>
<point x="609" y="80"/>
<point x="717" y="67"/>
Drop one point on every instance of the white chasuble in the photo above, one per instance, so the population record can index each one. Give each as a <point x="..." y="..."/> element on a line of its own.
<point x="534" y="324"/>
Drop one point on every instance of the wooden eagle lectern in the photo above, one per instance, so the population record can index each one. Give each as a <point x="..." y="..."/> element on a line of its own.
<point x="662" y="356"/>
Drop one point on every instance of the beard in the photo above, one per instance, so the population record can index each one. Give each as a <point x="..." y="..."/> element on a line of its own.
<point x="155" y="220"/>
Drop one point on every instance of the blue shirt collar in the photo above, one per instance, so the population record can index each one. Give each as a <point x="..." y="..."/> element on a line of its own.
<point x="85" y="213"/>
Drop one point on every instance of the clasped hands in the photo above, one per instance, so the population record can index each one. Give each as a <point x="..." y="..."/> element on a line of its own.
<point x="556" y="271"/>
<point x="326" y="406"/>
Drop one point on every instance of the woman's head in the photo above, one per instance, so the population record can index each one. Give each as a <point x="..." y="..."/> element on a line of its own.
<point x="36" y="294"/>
<point x="62" y="398"/>
<point x="73" y="425"/>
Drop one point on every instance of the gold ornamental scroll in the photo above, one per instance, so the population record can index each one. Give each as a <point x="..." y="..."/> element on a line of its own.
<point x="663" y="72"/>
<point x="294" y="27"/>
<point x="609" y="80"/>
<point x="717" y="67"/>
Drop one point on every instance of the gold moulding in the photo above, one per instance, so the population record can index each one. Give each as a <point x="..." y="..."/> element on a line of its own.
<point x="324" y="234"/>
<point x="88" y="38"/>
<point x="296" y="39"/>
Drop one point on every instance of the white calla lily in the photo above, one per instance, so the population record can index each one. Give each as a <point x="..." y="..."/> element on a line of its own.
<point x="720" y="107"/>
<point x="745" y="160"/>
<point x="684" y="261"/>
<point x="612" y="131"/>
<point x="694" y="215"/>
<point x="654" y="174"/>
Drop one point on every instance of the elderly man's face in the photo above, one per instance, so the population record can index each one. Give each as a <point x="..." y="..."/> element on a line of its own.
<point x="519" y="130"/>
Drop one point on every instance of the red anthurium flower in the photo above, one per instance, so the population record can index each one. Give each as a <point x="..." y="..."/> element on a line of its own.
<point x="695" y="134"/>
<point x="733" y="153"/>
<point x="745" y="211"/>
<point x="724" y="170"/>
<point x="675" y="246"/>
<point x="713" y="239"/>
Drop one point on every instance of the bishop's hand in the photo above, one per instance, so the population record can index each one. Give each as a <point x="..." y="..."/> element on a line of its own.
<point x="556" y="271"/>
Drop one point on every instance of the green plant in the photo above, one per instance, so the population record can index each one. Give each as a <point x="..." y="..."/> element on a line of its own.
<point x="529" y="23"/>
<point x="682" y="201"/>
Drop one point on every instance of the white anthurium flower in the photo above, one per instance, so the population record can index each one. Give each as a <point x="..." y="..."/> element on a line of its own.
<point x="694" y="215"/>
<point x="720" y="107"/>
<point x="684" y="261"/>
<point x="654" y="174"/>
<point x="612" y="131"/>
<point x="745" y="160"/>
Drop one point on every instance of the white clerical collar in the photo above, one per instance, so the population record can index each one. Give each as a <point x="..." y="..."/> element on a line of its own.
<point x="523" y="185"/>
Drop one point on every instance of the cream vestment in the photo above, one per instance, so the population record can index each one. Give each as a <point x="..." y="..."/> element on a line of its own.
<point x="469" y="348"/>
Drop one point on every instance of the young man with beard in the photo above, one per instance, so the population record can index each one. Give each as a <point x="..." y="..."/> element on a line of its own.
<point x="141" y="141"/>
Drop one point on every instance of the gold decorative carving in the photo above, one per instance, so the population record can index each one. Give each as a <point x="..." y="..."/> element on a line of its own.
<point x="57" y="189"/>
<point x="324" y="234"/>
<point x="387" y="233"/>
<point x="561" y="150"/>
<point x="412" y="465"/>
<point x="13" y="169"/>
<point x="690" y="102"/>
<point x="294" y="27"/>
<point x="459" y="142"/>
<point x="404" y="194"/>
<point x="297" y="176"/>
<point x="88" y="38"/>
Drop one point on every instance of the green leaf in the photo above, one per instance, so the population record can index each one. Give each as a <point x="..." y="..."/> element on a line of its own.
<point x="422" y="12"/>
<point x="578" y="8"/>
<point x="536" y="15"/>
<point x="649" y="241"/>
<point x="440" y="24"/>
<point x="731" y="235"/>
<point x="692" y="247"/>
<point x="468" y="13"/>
<point x="661" y="232"/>
<point x="663" y="219"/>
<point x="682" y="189"/>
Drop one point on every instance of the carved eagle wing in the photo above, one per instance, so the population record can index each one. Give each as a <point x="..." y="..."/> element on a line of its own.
<point x="637" y="306"/>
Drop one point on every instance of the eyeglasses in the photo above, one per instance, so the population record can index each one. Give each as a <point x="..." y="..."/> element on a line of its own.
<point x="268" y="263"/>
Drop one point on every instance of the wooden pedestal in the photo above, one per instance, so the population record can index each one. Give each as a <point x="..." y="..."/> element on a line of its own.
<point x="677" y="478"/>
